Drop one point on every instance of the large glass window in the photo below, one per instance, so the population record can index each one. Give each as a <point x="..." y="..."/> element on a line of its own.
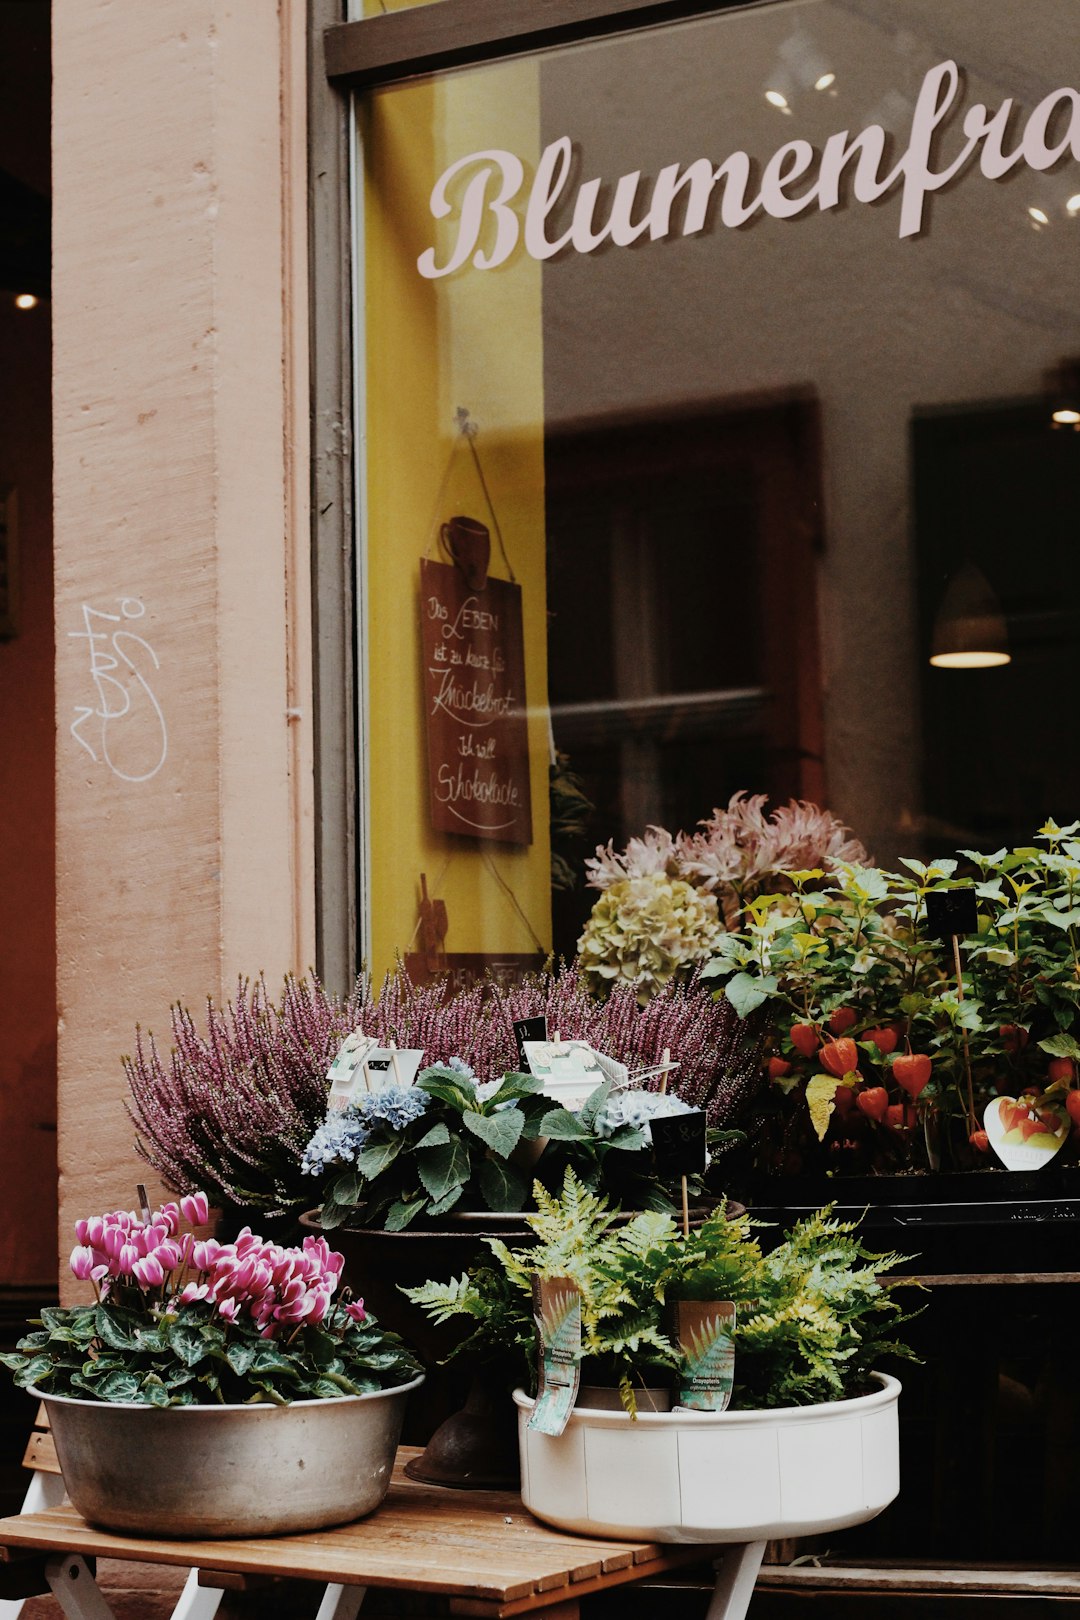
<point x="751" y="483"/>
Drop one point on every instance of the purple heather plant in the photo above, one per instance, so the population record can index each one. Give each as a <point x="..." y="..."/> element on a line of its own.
<point x="231" y="1110"/>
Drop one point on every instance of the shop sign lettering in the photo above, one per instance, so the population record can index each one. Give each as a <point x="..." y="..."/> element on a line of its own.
<point x="491" y="183"/>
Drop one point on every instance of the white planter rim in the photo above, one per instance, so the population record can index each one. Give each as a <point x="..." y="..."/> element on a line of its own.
<point x="597" y="1418"/>
<point x="227" y="1410"/>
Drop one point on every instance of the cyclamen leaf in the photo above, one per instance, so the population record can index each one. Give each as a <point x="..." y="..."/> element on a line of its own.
<point x="240" y="1357"/>
<point x="118" y="1386"/>
<point x="187" y="1344"/>
<point x="116" y="1327"/>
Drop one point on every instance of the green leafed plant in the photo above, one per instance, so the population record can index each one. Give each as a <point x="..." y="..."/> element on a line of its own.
<point x="876" y="1050"/>
<point x="417" y="1153"/>
<point x="182" y="1322"/>
<point x="813" y="1319"/>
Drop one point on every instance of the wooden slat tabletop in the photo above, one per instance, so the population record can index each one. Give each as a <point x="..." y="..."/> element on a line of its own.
<point x="480" y="1548"/>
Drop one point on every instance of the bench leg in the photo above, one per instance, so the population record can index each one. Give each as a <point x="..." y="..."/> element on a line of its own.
<point x="341" y="1602"/>
<point x="75" y="1589"/>
<point x="736" y="1574"/>
<point x="197" y="1602"/>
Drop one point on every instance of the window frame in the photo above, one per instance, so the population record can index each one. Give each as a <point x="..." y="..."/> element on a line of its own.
<point x="458" y="33"/>
<point x="345" y="59"/>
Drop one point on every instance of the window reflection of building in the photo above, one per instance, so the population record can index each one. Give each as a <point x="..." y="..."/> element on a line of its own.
<point x="683" y="641"/>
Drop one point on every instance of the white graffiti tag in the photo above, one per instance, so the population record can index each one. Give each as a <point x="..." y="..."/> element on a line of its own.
<point x="126" y="722"/>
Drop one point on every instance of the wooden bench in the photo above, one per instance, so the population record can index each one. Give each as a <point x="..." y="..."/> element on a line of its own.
<point x="482" y="1551"/>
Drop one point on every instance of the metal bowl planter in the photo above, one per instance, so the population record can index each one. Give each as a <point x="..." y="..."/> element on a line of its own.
<point x="227" y="1471"/>
<point x="715" y="1476"/>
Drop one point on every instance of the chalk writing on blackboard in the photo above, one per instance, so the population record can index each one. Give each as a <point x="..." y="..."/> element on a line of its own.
<point x="474" y="701"/>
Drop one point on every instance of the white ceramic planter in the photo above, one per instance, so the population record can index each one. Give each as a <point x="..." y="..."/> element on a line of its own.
<point x="715" y="1476"/>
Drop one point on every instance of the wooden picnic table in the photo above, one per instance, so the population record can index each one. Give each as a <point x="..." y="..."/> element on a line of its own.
<point x="480" y="1549"/>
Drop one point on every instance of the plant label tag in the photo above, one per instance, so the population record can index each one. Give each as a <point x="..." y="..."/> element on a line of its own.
<point x="679" y="1144"/>
<point x="345" y="1073"/>
<point x="952" y="912"/>
<point x="557" y="1316"/>
<point x="391" y="1066"/>
<point x="703" y="1333"/>
<point x="528" y="1029"/>
<point x="567" y="1070"/>
<point x="1024" y="1138"/>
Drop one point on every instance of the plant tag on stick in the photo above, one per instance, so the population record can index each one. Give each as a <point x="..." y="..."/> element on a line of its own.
<point x="392" y="1066"/>
<point x="528" y="1029"/>
<point x="703" y="1333"/>
<point x="679" y="1144"/>
<point x="345" y="1074"/>
<point x="1024" y="1138"/>
<point x="557" y="1315"/>
<point x="952" y="912"/>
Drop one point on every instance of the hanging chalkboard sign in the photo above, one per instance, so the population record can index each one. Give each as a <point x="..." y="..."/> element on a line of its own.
<point x="474" y="706"/>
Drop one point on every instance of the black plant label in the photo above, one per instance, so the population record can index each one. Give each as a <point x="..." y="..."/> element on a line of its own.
<point x="952" y="911"/>
<point x="528" y="1029"/>
<point x="679" y="1144"/>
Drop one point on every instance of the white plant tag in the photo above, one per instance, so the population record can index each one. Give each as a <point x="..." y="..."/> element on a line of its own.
<point x="1022" y="1138"/>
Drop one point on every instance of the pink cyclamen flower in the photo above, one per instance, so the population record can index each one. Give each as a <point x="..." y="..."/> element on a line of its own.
<point x="204" y="1255"/>
<point x="195" y="1208"/>
<point x="229" y="1309"/>
<point x="355" y="1311"/>
<point x="125" y="1260"/>
<point x="82" y="1262"/>
<point x="149" y="1271"/>
<point x="169" y="1215"/>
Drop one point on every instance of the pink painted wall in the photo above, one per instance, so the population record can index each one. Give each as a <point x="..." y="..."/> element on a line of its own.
<point x="27" y="886"/>
<point x="180" y="417"/>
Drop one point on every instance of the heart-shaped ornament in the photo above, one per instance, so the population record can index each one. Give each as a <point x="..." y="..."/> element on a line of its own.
<point x="1023" y="1138"/>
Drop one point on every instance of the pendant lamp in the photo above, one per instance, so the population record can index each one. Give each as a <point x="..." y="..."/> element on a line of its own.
<point x="970" y="630"/>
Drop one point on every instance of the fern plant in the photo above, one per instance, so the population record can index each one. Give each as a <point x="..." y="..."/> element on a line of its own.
<point x="813" y="1319"/>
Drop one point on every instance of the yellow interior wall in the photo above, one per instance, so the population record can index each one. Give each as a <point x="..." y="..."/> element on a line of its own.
<point x="474" y="340"/>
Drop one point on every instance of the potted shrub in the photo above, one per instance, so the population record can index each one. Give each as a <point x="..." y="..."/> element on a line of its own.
<point x="231" y="1107"/>
<point x="809" y="1441"/>
<point x="876" y="1051"/>
<point x="215" y="1389"/>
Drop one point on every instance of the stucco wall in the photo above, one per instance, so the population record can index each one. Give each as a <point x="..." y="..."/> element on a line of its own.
<point x="184" y="791"/>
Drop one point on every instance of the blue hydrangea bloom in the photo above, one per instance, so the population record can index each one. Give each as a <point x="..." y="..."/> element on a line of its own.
<point x="396" y="1106"/>
<point x="637" y="1108"/>
<point x="460" y="1066"/>
<point x="343" y="1133"/>
<point x="337" y="1141"/>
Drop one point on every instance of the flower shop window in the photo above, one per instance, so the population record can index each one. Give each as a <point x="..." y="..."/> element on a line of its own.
<point x="718" y="396"/>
